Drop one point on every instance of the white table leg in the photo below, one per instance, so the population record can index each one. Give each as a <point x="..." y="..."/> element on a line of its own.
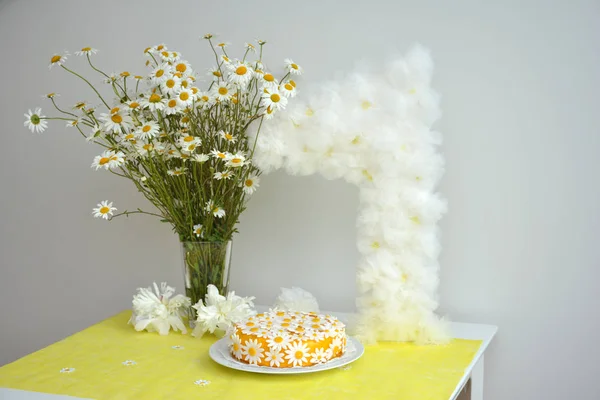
<point x="477" y="380"/>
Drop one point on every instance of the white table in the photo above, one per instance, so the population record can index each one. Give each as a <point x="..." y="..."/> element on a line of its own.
<point x="470" y="386"/>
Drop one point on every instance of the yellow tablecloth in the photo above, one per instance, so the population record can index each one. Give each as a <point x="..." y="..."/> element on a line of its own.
<point x="110" y="360"/>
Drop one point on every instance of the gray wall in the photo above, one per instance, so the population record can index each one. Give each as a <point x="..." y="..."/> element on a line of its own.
<point x="521" y="121"/>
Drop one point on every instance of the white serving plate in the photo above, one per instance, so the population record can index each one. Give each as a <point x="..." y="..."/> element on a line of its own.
<point x="219" y="352"/>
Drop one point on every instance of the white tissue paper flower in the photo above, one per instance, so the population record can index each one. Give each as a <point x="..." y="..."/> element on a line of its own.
<point x="158" y="311"/>
<point x="296" y="299"/>
<point x="220" y="312"/>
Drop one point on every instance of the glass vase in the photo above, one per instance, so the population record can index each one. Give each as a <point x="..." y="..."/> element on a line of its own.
<point x="205" y="263"/>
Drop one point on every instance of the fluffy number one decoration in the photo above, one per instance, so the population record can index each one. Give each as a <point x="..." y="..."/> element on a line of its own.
<point x="373" y="129"/>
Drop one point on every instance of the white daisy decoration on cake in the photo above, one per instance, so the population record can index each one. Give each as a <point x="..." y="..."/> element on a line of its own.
<point x="252" y="351"/>
<point x="236" y="346"/>
<point x="320" y="355"/>
<point x="278" y="341"/>
<point x="67" y="370"/>
<point x="274" y="357"/>
<point x="336" y="345"/>
<point x="297" y="354"/>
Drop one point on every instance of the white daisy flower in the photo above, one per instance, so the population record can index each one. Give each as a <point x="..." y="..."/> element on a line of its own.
<point x="156" y="49"/>
<point x="268" y="81"/>
<point x="58" y="59"/>
<point x="169" y="56"/>
<point x="279" y="341"/>
<point x="241" y="73"/>
<point x="214" y="209"/>
<point x="320" y="355"/>
<point x="250" y="47"/>
<point x="201" y="382"/>
<point x="171" y="85"/>
<point x="148" y="130"/>
<point x="114" y="122"/>
<point x="273" y="99"/>
<point x="236" y="160"/>
<point x="297" y="354"/>
<point x="274" y="357"/>
<point x="250" y="184"/>
<point x="104" y="210"/>
<point x="153" y="101"/>
<point x="292" y="67"/>
<point x="108" y="159"/>
<point x="207" y="36"/>
<point x="133" y="105"/>
<point x="219" y="154"/>
<point x="227" y="136"/>
<point x="160" y="74"/>
<point x="51" y="95"/>
<point x="177" y="171"/>
<point x="215" y="73"/>
<point x="72" y="123"/>
<point x="198" y="230"/>
<point x="222" y="175"/>
<point x="252" y="351"/>
<point x="261" y="42"/>
<point x="222" y="92"/>
<point x="112" y="77"/>
<point x="336" y="345"/>
<point x="86" y="51"/>
<point x="203" y="99"/>
<point x="288" y="89"/>
<point x="183" y="67"/>
<point x="128" y="363"/>
<point x="35" y="121"/>
<point x="185" y="97"/>
<point x="269" y="113"/>
<point x="80" y="105"/>
<point x="223" y="45"/>
<point x="236" y="346"/>
<point x="172" y="107"/>
<point x="200" y="158"/>
<point x="144" y="149"/>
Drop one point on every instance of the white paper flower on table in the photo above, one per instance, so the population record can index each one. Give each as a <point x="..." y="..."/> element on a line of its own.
<point x="296" y="299"/>
<point x="158" y="311"/>
<point x="220" y="312"/>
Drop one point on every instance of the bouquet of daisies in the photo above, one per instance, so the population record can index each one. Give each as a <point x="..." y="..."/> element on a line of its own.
<point x="185" y="148"/>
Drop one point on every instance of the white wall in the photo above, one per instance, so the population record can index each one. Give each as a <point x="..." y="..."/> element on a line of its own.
<point x="520" y="83"/>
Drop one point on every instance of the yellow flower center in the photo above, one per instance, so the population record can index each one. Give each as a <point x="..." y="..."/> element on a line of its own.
<point x="147" y="49"/>
<point x="204" y="98"/>
<point x="255" y="329"/>
<point x="104" y="210"/>
<point x="185" y="120"/>
<point x="134" y="104"/>
<point x="299" y="354"/>
<point x="138" y="77"/>
<point x="55" y="59"/>
<point x="192" y="147"/>
<point x="86" y="49"/>
<point x="241" y="70"/>
<point x="130" y="136"/>
<point x="269" y="110"/>
<point x="375" y="245"/>
<point x="275" y="98"/>
<point x="147" y="147"/>
<point x="146" y="128"/>
<point x="223" y="91"/>
<point x="125" y="74"/>
<point x="160" y="47"/>
<point x="194" y="90"/>
<point x="278" y="339"/>
<point x="366" y="105"/>
<point x="159" y="73"/>
<point x="185" y="84"/>
<point x="221" y="155"/>
<point x="288" y="86"/>
<point x="165" y="53"/>
<point x="236" y="160"/>
<point x="252" y="351"/>
<point x="114" y="110"/>
<point x="170" y="84"/>
<point x="172" y="103"/>
<point x="294" y="66"/>
<point x="117" y="119"/>
<point x="292" y="83"/>
<point x="184" y="96"/>
<point x="104" y="160"/>
<point x="228" y="136"/>
<point x="268" y="77"/>
<point x="310" y="112"/>
<point x="154" y="98"/>
<point x="236" y="347"/>
<point x="216" y="73"/>
<point x="181" y="67"/>
<point x="356" y="140"/>
<point x="188" y="139"/>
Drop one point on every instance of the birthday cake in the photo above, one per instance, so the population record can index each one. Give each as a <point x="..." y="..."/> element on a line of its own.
<point x="286" y="339"/>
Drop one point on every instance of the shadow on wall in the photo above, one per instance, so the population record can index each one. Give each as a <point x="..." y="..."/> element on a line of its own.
<point x="290" y="239"/>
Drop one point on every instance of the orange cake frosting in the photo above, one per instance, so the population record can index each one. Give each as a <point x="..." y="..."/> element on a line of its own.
<point x="285" y="339"/>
